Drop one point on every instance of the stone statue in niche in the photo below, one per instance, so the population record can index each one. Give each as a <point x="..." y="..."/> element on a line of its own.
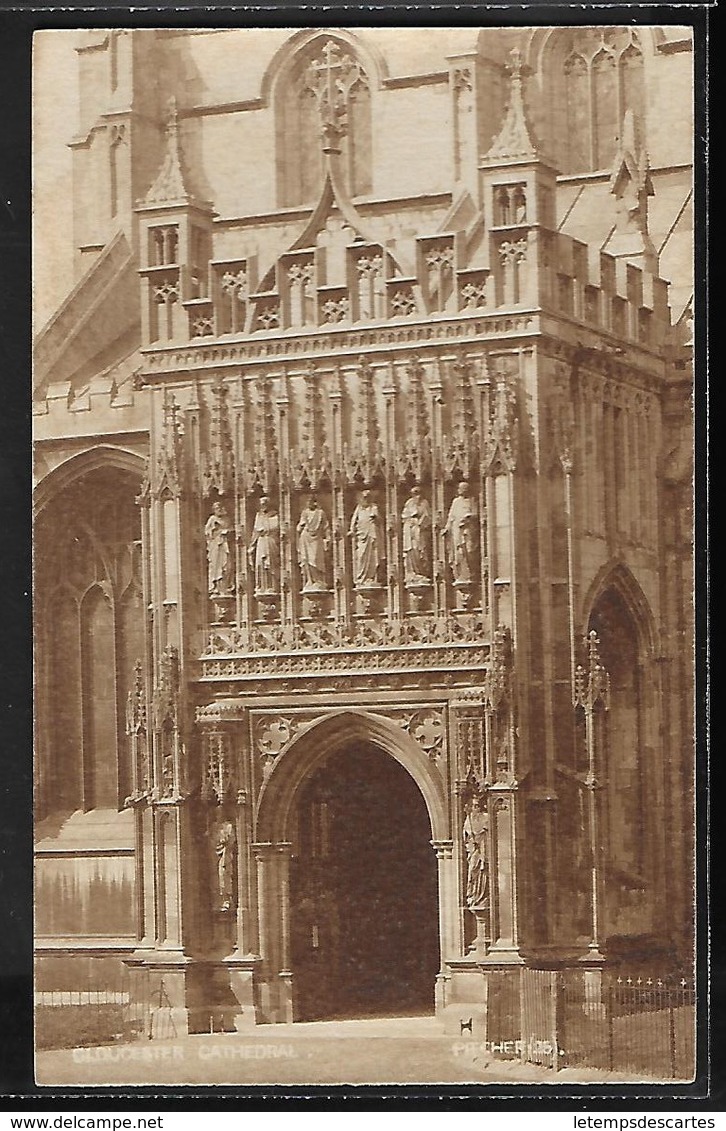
<point x="367" y="539"/>
<point x="226" y="849"/>
<point x="416" y="523"/>
<point x="313" y="546"/>
<point x="264" y="549"/>
<point x="216" y="532"/>
<point x="460" y="531"/>
<point x="476" y="832"/>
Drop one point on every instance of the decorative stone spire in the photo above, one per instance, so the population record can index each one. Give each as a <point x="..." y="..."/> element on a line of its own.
<point x="168" y="478"/>
<point x="169" y="185"/>
<point x="592" y="684"/>
<point x="631" y="185"/>
<point x="514" y="140"/>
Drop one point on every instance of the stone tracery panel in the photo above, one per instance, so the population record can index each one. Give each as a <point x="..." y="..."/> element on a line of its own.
<point x="89" y="633"/>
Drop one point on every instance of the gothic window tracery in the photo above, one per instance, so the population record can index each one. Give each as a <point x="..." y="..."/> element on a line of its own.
<point x="88" y="584"/>
<point x="322" y="66"/>
<point x="594" y="76"/>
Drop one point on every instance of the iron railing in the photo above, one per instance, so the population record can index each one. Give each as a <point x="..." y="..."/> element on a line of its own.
<point x="110" y="1006"/>
<point x="609" y="1020"/>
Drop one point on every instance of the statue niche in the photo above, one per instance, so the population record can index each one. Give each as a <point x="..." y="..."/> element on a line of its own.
<point x="460" y="533"/>
<point x="226" y="851"/>
<point x="366" y="534"/>
<point x="220" y="574"/>
<point x="313" y="547"/>
<point x="314" y="542"/>
<point x="416" y="546"/>
<point x="475" y="834"/>
<point x="264" y="556"/>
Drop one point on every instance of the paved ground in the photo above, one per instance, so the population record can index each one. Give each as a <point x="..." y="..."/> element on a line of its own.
<point x="412" y="1050"/>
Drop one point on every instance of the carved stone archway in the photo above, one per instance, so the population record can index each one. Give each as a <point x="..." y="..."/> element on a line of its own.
<point x="314" y="743"/>
<point x="275" y="840"/>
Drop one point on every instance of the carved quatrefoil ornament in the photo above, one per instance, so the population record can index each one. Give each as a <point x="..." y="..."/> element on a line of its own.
<point x="273" y="735"/>
<point x="427" y="728"/>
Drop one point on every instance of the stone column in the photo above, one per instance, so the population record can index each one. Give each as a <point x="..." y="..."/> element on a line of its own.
<point x="285" y="975"/>
<point x="226" y="790"/>
<point x="273" y="897"/>
<point x="449" y="919"/>
<point x="592" y="695"/>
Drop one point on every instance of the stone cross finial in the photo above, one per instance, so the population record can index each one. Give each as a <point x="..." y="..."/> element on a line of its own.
<point x="169" y="184"/>
<point x="330" y="77"/>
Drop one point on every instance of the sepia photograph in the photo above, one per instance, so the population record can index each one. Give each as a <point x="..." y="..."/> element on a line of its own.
<point x="363" y="634"/>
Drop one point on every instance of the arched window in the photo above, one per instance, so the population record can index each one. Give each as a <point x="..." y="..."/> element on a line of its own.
<point x="593" y="75"/>
<point x="90" y="632"/>
<point x="325" y="71"/>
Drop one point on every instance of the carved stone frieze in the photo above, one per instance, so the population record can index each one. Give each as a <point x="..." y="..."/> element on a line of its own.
<point x="469" y="328"/>
<point x="425" y="630"/>
<point x="352" y="663"/>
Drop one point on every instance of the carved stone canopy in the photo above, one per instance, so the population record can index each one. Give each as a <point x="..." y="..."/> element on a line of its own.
<point x="220" y="712"/>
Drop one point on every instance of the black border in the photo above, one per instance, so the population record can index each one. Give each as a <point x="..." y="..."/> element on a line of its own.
<point x="17" y="24"/>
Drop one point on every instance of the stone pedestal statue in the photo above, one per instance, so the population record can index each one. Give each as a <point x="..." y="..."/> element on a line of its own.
<point x="367" y="541"/>
<point x="416" y="541"/>
<point x="216" y="533"/>
<point x="460" y="532"/>
<point x="264" y="550"/>
<point x="226" y="849"/>
<point x="313" y="547"/>
<point x="476" y="834"/>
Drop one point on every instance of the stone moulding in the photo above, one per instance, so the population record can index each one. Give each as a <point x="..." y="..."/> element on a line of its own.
<point x="336" y="637"/>
<point x="349" y="663"/>
<point x="173" y="360"/>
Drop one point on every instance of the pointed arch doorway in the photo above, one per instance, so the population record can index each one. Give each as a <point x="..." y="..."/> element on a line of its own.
<point x="363" y="889"/>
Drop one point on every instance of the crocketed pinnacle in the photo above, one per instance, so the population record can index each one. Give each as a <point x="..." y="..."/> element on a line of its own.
<point x="514" y="141"/>
<point x="631" y="161"/>
<point x="169" y="184"/>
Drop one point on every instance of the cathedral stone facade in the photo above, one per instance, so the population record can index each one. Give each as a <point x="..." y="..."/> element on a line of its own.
<point x="363" y="545"/>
